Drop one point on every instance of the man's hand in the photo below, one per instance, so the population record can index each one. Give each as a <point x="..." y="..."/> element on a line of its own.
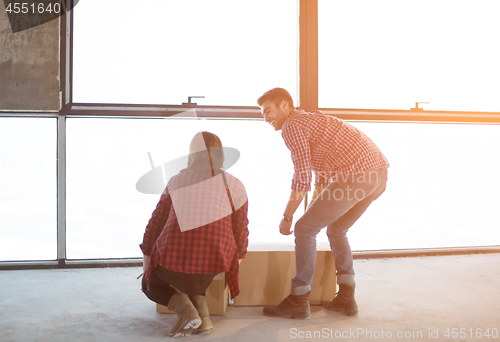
<point x="293" y="202"/>
<point x="286" y="227"/>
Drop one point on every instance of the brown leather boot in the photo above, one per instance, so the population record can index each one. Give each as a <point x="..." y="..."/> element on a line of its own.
<point x="344" y="301"/>
<point x="200" y="303"/>
<point x="291" y="307"/>
<point x="187" y="315"/>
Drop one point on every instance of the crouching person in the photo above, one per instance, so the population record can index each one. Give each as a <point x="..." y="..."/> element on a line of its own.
<point x="198" y="229"/>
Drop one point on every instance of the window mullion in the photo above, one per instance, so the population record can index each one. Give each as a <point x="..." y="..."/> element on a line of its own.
<point x="308" y="55"/>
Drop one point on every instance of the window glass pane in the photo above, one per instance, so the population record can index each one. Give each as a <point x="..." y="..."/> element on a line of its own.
<point x="443" y="187"/>
<point x="107" y="215"/>
<point x="389" y="54"/>
<point x="161" y="52"/>
<point x="28" y="194"/>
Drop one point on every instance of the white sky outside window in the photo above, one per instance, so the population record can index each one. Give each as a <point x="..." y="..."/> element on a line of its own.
<point x="161" y="52"/>
<point x="107" y="215"/>
<point x="443" y="181"/>
<point x="443" y="188"/>
<point x="28" y="189"/>
<point x="389" y="54"/>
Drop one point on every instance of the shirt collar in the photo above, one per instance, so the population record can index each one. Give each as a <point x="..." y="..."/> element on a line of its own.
<point x="294" y="113"/>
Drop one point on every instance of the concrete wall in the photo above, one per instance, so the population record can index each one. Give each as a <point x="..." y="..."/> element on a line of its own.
<point x="29" y="66"/>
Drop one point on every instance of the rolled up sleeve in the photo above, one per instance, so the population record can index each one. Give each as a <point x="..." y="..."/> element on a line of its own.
<point x="297" y="142"/>
<point x="156" y="223"/>
<point x="240" y="229"/>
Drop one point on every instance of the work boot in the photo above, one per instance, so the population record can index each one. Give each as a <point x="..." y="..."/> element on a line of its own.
<point x="291" y="307"/>
<point x="344" y="301"/>
<point x="200" y="303"/>
<point x="187" y="315"/>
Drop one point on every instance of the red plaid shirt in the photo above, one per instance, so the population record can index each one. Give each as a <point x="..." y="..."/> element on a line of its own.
<point x="328" y="146"/>
<point x="211" y="248"/>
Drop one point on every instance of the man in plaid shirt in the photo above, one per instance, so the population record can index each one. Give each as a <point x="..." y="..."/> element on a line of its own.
<point x="350" y="173"/>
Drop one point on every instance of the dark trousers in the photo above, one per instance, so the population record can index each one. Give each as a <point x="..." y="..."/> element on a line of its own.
<point x="163" y="284"/>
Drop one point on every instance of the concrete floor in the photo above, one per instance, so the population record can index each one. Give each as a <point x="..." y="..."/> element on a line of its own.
<point x="417" y="298"/>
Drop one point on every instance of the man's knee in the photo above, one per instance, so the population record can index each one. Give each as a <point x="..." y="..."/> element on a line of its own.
<point x="336" y="232"/>
<point x="305" y="229"/>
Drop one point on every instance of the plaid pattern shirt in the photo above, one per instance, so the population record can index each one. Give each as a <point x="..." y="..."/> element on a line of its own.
<point x="211" y="248"/>
<point x="328" y="146"/>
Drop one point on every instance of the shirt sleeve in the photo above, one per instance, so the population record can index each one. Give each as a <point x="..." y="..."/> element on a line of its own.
<point x="297" y="142"/>
<point x="156" y="223"/>
<point x="321" y="179"/>
<point x="239" y="220"/>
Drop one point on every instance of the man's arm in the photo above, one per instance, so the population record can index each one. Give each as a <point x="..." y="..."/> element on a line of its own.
<point x="294" y="201"/>
<point x="296" y="198"/>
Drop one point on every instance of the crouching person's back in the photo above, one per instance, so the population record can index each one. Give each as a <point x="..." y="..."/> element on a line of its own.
<point x="198" y="230"/>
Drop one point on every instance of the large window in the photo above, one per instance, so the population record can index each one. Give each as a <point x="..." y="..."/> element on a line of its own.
<point x="443" y="188"/>
<point x="107" y="215"/>
<point x="128" y="66"/>
<point x="389" y="54"/>
<point x="161" y="52"/>
<point x="28" y="211"/>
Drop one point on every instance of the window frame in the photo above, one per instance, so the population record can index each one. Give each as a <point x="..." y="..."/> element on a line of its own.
<point x="307" y="95"/>
<point x="307" y="100"/>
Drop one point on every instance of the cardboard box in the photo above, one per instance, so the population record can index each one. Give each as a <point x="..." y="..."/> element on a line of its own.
<point x="217" y="297"/>
<point x="266" y="273"/>
<point x="265" y="278"/>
